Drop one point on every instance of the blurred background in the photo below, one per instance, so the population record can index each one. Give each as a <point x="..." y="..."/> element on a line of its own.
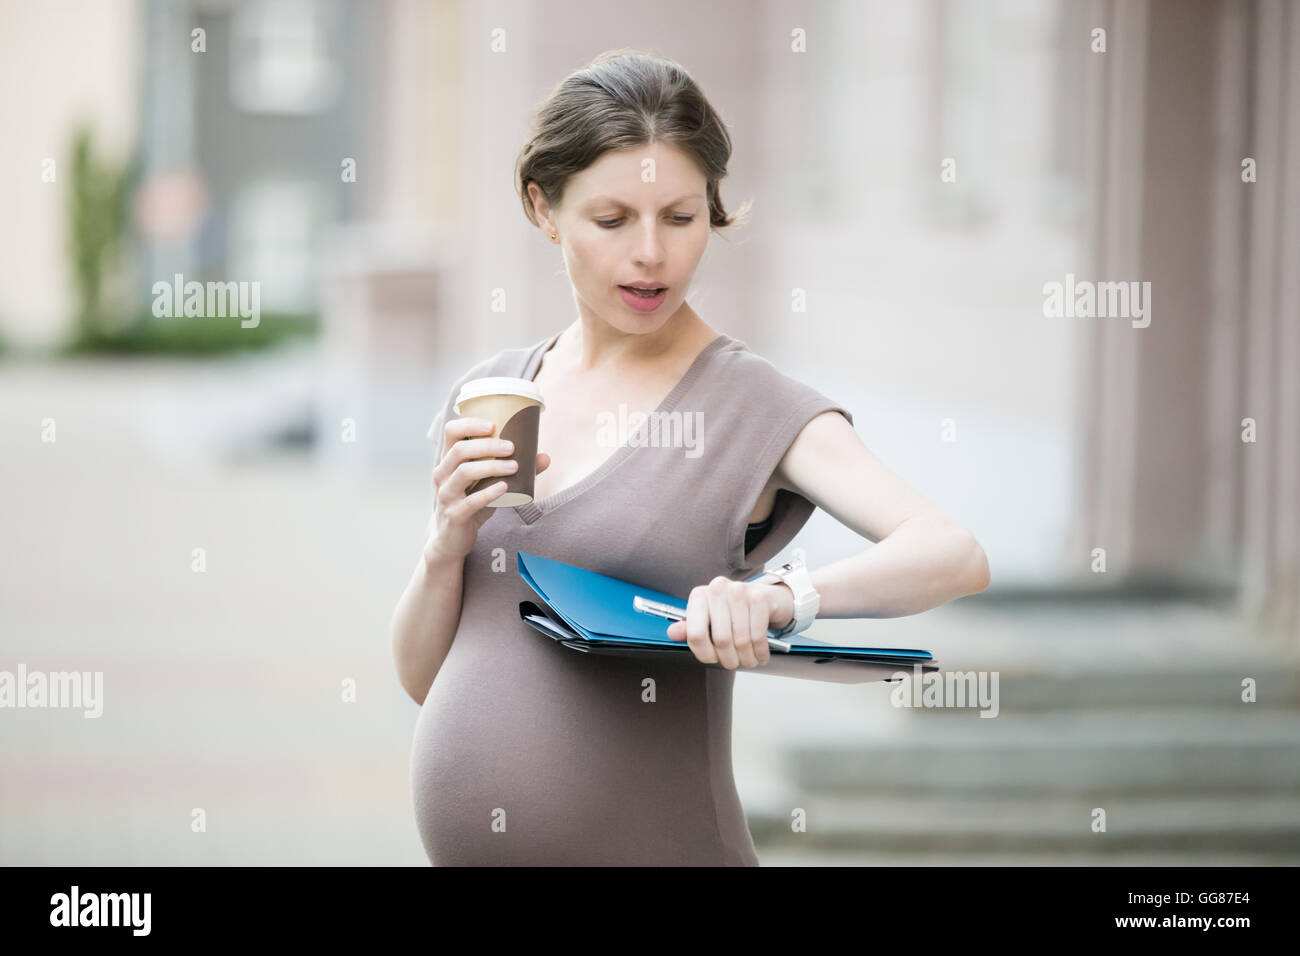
<point x="920" y="171"/>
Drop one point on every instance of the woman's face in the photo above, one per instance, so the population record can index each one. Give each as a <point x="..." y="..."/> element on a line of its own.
<point x="637" y="215"/>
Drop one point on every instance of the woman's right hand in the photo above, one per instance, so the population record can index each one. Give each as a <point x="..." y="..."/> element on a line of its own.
<point x="457" y="516"/>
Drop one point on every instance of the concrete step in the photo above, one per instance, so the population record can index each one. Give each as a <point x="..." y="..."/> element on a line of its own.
<point x="1262" y="825"/>
<point x="1164" y="750"/>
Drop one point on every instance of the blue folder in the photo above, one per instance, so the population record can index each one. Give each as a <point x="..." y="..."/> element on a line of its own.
<point x="593" y="613"/>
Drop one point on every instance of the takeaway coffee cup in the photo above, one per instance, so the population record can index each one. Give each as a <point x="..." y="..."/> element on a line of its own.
<point x="514" y="407"/>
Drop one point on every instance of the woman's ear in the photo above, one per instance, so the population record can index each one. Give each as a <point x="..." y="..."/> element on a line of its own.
<point x="541" y="208"/>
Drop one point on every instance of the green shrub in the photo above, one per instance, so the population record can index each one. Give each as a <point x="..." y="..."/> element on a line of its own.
<point x="99" y="218"/>
<point x="196" y="336"/>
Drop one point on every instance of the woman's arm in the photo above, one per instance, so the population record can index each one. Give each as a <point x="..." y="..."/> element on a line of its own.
<point x="923" y="558"/>
<point x="425" y="621"/>
<point x="428" y="613"/>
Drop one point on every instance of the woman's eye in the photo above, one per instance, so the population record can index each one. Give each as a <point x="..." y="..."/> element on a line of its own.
<point x="611" y="223"/>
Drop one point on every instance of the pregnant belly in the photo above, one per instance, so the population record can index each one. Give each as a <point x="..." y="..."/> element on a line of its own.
<point x="542" y="758"/>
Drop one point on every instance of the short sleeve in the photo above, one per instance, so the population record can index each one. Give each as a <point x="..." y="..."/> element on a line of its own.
<point x="793" y="405"/>
<point x="448" y="409"/>
<point x="439" y="422"/>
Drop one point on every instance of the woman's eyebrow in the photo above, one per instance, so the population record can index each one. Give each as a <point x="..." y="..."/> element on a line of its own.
<point x="600" y="200"/>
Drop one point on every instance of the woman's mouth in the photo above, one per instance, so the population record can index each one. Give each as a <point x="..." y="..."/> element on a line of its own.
<point x="643" y="300"/>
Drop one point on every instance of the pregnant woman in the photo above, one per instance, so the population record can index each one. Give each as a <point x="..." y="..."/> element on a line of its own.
<point x="526" y="752"/>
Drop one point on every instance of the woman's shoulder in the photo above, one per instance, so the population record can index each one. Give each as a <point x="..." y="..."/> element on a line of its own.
<point x="510" y="362"/>
<point x="744" y="374"/>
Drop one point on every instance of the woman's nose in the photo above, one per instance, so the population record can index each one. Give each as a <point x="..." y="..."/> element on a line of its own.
<point x="649" y="249"/>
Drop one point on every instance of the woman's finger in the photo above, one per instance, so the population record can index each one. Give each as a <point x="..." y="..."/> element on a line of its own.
<point x="468" y="506"/>
<point x="697" y="625"/>
<point x="720" y="623"/>
<point x="464" y="438"/>
<point x="455" y="488"/>
<point x="741" y="632"/>
<point x="759" y="615"/>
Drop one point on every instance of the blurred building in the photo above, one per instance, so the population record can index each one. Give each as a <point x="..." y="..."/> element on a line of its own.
<point x="357" y="160"/>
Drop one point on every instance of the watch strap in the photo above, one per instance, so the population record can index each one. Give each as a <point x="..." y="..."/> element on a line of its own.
<point x="806" y="600"/>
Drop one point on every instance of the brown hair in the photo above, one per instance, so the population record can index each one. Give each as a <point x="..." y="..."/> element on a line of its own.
<point x="622" y="99"/>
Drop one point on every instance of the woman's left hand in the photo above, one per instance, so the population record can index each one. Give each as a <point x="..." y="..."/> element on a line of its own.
<point x="727" y="621"/>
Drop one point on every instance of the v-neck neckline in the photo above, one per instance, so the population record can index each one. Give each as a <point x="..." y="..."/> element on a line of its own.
<point x="530" y="512"/>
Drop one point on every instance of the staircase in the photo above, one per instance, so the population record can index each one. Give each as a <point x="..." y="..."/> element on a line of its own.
<point x="1186" y="772"/>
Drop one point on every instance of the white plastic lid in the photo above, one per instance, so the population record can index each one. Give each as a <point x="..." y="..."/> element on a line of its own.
<point x="499" y="385"/>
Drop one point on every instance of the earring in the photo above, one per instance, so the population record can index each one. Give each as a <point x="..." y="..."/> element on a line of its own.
<point x="552" y="235"/>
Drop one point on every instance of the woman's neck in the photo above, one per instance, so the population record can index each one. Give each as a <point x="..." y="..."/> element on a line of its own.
<point x="592" y="344"/>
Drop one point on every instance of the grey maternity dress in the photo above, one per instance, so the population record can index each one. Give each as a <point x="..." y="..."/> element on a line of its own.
<point x="529" y="753"/>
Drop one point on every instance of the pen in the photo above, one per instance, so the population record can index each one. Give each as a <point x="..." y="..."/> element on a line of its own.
<point x="658" y="609"/>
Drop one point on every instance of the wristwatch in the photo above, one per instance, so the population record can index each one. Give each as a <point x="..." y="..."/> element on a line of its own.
<point x="807" y="602"/>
